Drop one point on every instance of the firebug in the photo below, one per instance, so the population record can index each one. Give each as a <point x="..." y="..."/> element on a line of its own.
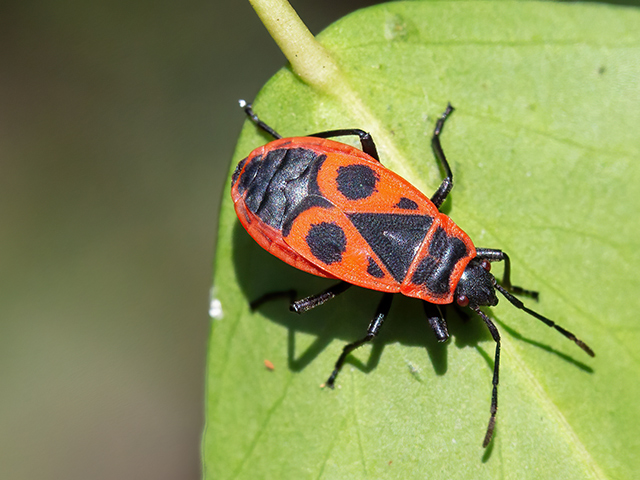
<point x="332" y="210"/>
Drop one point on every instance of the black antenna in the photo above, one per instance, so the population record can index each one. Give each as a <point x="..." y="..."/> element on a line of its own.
<point x="518" y="304"/>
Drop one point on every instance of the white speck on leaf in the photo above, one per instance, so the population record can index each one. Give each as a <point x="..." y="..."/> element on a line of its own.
<point x="215" y="307"/>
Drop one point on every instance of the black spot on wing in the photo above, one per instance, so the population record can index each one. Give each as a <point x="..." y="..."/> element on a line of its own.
<point x="374" y="269"/>
<point x="327" y="242"/>
<point x="407" y="204"/>
<point x="357" y="181"/>
<point x="434" y="271"/>
<point x="394" y="238"/>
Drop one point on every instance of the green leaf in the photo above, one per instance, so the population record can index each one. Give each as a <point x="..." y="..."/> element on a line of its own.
<point x="544" y="148"/>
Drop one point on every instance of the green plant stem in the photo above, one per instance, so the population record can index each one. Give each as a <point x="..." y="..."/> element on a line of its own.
<point x="316" y="67"/>
<point x="308" y="58"/>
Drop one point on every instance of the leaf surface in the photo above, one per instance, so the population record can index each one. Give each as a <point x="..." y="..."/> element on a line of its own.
<point x="545" y="153"/>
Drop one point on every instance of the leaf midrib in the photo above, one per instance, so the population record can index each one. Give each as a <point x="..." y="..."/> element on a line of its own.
<point x="357" y="109"/>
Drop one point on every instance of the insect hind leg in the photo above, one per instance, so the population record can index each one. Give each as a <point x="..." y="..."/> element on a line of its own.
<point x="313" y="301"/>
<point x="445" y="187"/>
<point x="304" y="304"/>
<point x="259" y="123"/>
<point x="372" y="332"/>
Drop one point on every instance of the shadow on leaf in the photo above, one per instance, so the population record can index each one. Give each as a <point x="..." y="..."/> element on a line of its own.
<point x="346" y="317"/>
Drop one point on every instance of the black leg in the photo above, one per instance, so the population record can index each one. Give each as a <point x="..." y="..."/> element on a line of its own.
<point x="496" y="376"/>
<point x="372" y="331"/>
<point x="305" y="304"/>
<point x="493" y="255"/>
<point x="447" y="184"/>
<point x="259" y="123"/>
<point x="368" y="146"/>
<point x="436" y="320"/>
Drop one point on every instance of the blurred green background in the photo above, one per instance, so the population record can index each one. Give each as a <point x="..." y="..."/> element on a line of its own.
<point x="117" y="123"/>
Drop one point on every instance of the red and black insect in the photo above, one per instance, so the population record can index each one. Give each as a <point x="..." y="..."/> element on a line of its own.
<point x="334" y="211"/>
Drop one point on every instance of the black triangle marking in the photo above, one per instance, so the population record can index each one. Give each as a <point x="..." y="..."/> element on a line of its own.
<point x="394" y="238"/>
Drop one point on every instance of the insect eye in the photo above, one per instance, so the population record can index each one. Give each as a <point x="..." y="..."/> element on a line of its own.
<point x="462" y="300"/>
<point x="486" y="265"/>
